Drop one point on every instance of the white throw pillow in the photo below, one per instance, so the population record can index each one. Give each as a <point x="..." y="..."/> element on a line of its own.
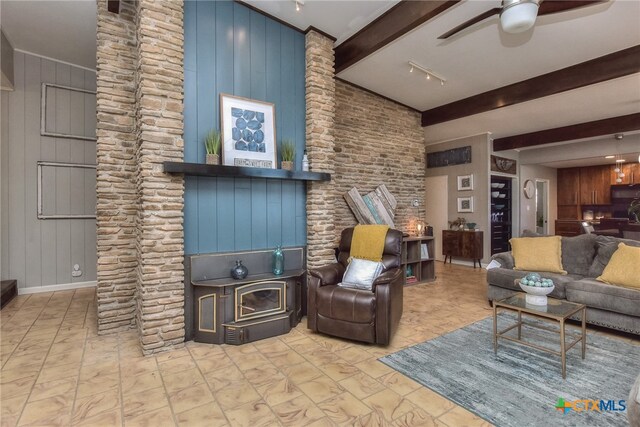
<point x="361" y="273"/>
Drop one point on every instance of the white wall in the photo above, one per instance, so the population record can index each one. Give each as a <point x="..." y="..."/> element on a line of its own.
<point x="479" y="167"/>
<point x="37" y="252"/>
<point x="528" y="206"/>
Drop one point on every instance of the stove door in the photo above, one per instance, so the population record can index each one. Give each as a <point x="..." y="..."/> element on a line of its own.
<point x="260" y="299"/>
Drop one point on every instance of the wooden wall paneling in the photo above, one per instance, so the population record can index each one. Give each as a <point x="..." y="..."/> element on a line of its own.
<point x="258" y="213"/>
<point x="241" y="53"/>
<point x="257" y="71"/>
<point x="33" y="273"/>
<point x="225" y="214"/>
<point x="190" y="212"/>
<point x="90" y="232"/>
<point x="223" y="69"/>
<point x="301" y="211"/>
<point x="63" y="175"/>
<point x="4" y="186"/>
<point x="17" y="189"/>
<point x="274" y="213"/>
<point x="288" y="213"/>
<point x="77" y="176"/>
<point x="243" y="213"/>
<point x="287" y="90"/>
<point x="48" y="153"/>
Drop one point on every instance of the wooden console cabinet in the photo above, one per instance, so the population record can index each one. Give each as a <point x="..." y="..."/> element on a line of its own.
<point x="463" y="244"/>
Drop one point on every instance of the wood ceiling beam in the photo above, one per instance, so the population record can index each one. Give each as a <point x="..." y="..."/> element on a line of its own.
<point x="397" y="21"/>
<point x="567" y="133"/>
<point x="607" y="67"/>
<point x="113" y="6"/>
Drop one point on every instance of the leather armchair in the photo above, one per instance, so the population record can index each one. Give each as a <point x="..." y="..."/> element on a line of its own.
<point x="361" y="315"/>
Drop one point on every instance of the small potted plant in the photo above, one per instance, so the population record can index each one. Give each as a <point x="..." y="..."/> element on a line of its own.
<point x="288" y="154"/>
<point x="212" y="144"/>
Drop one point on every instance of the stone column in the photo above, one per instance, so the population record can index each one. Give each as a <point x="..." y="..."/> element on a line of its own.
<point x="160" y="236"/>
<point x="320" y="135"/>
<point x="116" y="167"/>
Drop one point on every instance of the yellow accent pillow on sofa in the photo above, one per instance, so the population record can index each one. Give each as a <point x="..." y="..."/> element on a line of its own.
<point x="538" y="254"/>
<point x="623" y="268"/>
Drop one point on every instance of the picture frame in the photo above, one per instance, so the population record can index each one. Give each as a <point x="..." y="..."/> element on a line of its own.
<point x="465" y="204"/>
<point x="248" y="132"/>
<point x="424" y="251"/>
<point x="465" y="182"/>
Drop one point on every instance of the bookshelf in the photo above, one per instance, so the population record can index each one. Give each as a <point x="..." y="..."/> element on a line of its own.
<point x="417" y="268"/>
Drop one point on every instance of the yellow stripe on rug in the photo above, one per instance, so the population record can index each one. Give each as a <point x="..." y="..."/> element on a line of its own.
<point x="368" y="241"/>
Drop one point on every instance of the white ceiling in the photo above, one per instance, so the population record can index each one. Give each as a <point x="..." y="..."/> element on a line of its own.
<point x="339" y="18"/>
<point x="63" y="30"/>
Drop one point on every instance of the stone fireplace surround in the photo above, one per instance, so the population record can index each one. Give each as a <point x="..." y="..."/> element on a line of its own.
<point x="140" y="90"/>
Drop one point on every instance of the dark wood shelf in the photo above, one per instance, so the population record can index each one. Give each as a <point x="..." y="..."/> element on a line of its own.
<point x="201" y="169"/>
<point x="228" y="281"/>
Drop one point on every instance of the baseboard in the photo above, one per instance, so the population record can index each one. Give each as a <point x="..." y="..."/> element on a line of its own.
<point x="467" y="263"/>
<point x="54" y="288"/>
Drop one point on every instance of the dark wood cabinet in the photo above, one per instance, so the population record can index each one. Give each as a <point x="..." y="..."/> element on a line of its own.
<point x="568" y="228"/>
<point x="595" y="184"/>
<point x="462" y="244"/>
<point x="568" y="186"/>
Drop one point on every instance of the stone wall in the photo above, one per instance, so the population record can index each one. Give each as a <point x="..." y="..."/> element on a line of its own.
<point x="159" y="223"/>
<point x="116" y="167"/>
<point x="377" y="141"/>
<point x="320" y="116"/>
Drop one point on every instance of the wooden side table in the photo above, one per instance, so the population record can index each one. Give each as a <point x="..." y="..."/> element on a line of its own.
<point x="463" y="244"/>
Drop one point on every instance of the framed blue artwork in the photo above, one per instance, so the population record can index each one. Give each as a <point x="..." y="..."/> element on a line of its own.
<point x="248" y="132"/>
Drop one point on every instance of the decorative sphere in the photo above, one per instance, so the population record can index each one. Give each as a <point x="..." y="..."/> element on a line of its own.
<point x="535" y="277"/>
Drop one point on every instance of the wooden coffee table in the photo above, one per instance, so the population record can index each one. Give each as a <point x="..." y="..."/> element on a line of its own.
<point x="556" y="311"/>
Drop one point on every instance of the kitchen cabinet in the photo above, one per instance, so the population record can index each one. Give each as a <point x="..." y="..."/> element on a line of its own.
<point x="568" y="186"/>
<point x="631" y="174"/>
<point x="595" y="184"/>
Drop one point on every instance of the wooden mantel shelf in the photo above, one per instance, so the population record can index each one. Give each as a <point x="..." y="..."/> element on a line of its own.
<point x="200" y="169"/>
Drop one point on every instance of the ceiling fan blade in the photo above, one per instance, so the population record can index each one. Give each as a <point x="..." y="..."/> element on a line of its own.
<point x="472" y="21"/>
<point x="555" y="6"/>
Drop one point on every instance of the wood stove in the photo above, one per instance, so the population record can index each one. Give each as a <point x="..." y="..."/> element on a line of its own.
<point x="219" y="309"/>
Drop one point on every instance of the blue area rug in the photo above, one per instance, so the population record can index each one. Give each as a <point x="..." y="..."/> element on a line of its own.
<point x="520" y="386"/>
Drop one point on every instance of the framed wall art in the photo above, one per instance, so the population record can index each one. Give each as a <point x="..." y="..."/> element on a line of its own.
<point x="248" y="132"/>
<point x="465" y="182"/>
<point x="465" y="204"/>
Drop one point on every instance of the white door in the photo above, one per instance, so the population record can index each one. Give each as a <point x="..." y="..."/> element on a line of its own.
<point x="542" y="206"/>
<point x="436" y="201"/>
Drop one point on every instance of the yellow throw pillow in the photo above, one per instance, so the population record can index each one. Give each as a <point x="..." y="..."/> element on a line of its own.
<point x="538" y="254"/>
<point x="623" y="268"/>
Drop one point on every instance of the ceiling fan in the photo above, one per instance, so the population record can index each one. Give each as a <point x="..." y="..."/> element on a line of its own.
<point x="517" y="16"/>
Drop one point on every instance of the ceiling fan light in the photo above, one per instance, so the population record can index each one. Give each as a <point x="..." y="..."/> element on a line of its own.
<point x="518" y="16"/>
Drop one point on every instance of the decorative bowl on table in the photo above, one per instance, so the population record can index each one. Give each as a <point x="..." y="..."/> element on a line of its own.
<point x="471" y="225"/>
<point x="537" y="288"/>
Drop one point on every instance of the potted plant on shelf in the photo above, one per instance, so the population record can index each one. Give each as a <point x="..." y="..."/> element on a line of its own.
<point x="212" y="144"/>
<point x="288" y="154"/>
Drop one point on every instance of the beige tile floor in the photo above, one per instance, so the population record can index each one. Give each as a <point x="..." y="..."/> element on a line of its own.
<point x="56" y="370"/>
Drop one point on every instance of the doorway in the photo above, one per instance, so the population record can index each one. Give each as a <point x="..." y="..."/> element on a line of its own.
<point x="542" y="206"/>
<point x="436" y="202"/>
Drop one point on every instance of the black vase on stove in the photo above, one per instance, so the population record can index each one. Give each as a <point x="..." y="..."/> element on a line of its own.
<point x="239" y="271"/>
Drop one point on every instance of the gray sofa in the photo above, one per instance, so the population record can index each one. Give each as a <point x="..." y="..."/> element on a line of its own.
<point x="584" y="258"/>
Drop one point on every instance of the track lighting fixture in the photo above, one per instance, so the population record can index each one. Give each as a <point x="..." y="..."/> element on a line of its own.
<point x="428" y="73"/>
<point x="299" y="4"/>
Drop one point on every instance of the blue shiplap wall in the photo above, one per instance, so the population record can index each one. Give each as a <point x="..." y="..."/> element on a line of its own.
<point x="234" y="50"/>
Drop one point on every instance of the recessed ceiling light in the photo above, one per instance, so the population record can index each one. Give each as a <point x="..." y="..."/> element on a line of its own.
<point x="620" y="160"/>
<point x="609" y="157"/>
